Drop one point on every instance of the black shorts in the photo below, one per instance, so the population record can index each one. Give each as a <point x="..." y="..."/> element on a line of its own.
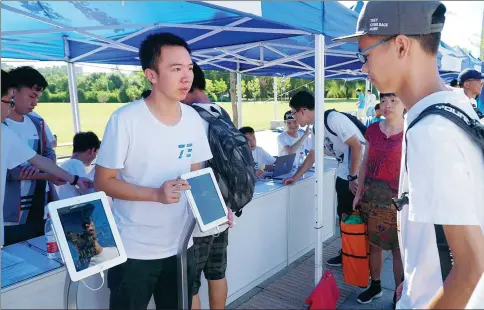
<point x="210" y="257"/>
<point x="345" y="197"/>
<point x="134" y="282"/>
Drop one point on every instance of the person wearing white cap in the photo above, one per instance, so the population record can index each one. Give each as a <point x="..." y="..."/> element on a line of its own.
<point x="293" y="141"/>
<point x="442" y="171"/>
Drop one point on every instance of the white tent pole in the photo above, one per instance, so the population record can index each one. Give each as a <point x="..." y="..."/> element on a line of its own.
<point x="275" y="98"/>
<point x="239" y="97"/>
<point x="319" y="115"/>
<point x="71" y="74"/>
<point x="72" y="83"/>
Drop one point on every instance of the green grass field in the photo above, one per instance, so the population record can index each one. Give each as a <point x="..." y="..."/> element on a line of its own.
<point x="94" y="116"/>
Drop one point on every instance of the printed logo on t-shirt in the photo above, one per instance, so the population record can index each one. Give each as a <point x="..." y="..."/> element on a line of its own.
<point x="185" y="150"/>
<point x="328" y="145"/>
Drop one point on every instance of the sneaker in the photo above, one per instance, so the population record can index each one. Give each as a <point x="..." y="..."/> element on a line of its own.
<point x="335" y="261"/>
<point x="374" y="291"/>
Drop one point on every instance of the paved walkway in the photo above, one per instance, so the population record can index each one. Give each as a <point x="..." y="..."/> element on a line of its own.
<point x="290" y="287"/>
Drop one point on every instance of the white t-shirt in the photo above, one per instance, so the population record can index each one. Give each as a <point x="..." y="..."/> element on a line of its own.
<point x="148" y="153"/>
<point x="27" y="132"/>
<point x="197" y="232"/>
<point x="14" y="153"/>
<point x="48" y="132"/>
<point x="262" y="158"/>
<point x="370" y="100"/>
<point x="284" y="139"/>
<point x="74" y="167"/>
<point x="445" y="182"/>
<point x="335" y="146"/>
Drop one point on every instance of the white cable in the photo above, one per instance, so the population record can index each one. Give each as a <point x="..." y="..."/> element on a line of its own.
<point x="97" y="289"/>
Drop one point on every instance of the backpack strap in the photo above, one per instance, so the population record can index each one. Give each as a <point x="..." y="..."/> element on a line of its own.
<point x="326" y="122"/>
<point x="207" y="116"/>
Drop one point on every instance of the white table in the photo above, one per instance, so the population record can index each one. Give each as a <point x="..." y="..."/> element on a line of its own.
<point x="275" y="229"/>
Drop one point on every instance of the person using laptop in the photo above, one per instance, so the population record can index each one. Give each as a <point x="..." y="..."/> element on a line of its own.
<point x="442" y="169"/>
<point x="262" y="159"/>
<point x="293" y="141"/>
<point x="147" y="145"/>
<point x="347" y="146"/>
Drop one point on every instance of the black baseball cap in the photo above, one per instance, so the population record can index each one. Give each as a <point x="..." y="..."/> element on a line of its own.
<point x="469" y="74"/>
<point x="288" y="116"/>
<point x="387" y="18"/>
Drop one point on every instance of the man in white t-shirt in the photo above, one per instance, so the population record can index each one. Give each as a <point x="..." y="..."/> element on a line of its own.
<point x="15" y="152"/>
<point x="263" y="161"/>
<point x="210" y="248"/>
<point x="32" y="194"/>
<point x="370" y="104"/>
<point x="85" y="148"/>
<point x="344" y="142"/>
<point x="442" y="168"/>
<point x="471" y="81"/>
<point x="146" y="146"/>
<point x="293" y="141"/>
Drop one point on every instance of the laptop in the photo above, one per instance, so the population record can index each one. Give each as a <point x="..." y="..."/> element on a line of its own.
<point x="282" y="166"/>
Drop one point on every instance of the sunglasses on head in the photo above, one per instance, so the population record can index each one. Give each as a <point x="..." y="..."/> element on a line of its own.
<point x="11" y="102"/>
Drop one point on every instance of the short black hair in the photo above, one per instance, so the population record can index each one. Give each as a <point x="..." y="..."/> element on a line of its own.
<point x="28" y="77"/>
<point x="146" y="93"/>
<point x="383" y="95"/>
<point x="302" y="100"/>
<point x="7" y="83"/>
<point x="377" y="106"/>
<point x="85" y="141"/>
<point x="454" y="83"/>
<point x="245" y="130"/>
<point x="198" y="78"/>
<point x="358" y="90"/>
<point x="150" y="49"/>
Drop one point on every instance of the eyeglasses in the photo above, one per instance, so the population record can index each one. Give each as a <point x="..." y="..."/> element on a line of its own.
<point x="11" y="102"/>
<point x="364" y="58"/>
<point x="293" y="114"/>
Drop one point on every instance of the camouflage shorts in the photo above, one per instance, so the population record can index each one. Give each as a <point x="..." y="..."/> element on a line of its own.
<point x="378" y="212"/>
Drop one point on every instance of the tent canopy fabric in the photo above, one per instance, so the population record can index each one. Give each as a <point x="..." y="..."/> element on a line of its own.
<point x="220" y="37"/>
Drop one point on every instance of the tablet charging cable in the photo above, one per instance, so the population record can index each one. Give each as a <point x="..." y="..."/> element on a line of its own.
<point x="95" y="289"/>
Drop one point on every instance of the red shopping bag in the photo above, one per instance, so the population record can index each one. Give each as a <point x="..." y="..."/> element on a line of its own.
<point x="326" y="294"/>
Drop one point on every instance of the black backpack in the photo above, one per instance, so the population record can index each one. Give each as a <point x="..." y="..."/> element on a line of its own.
<point x="232" y="161"/>
<point x="475" y="130"/>
<point x="352" y="118"/>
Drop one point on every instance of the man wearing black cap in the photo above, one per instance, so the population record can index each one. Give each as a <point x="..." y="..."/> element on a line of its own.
<point x="442" y="170"/>
<point x="292" y="141"/>
<point x="471" y="81"/>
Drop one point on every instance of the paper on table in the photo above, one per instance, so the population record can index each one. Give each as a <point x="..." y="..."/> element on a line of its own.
<point x="16" y="269"/>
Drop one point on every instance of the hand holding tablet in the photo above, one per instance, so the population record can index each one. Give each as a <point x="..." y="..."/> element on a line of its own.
<point x="171" y="190"/>
<point x="205" y="199"/>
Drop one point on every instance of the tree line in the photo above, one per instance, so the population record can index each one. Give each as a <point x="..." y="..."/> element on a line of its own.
<point x="120" y="87"/>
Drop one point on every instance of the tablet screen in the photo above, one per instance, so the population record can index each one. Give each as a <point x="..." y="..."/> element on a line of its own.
<point x="88" y="234"/>
<point x="206" y="197"/>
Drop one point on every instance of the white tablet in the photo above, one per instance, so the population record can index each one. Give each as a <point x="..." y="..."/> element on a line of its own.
<point x="86" y="234"/>
<point x="205" y="199"/>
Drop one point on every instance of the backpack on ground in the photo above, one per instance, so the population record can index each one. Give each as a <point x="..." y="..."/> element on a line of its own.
<point x="352" y="118"/>
<point x="232" y="161"/>
<point x="475" y="131"/>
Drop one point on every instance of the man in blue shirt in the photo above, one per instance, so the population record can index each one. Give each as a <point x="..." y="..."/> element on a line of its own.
<point x="361" y="105"/>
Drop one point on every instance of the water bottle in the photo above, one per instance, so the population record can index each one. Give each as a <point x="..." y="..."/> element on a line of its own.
<point x="51" y="243"/>
<point x="301" y="159"/>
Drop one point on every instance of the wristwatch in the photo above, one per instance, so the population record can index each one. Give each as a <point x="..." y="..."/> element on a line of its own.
<point x="352" y="177"/>
<point x="76" y="179"/>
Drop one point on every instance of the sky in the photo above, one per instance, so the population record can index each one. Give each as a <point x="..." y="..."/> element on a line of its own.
<point x="462" y="28"/>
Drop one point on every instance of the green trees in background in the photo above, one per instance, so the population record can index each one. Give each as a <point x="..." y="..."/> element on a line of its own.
<point x="123" y="87"/>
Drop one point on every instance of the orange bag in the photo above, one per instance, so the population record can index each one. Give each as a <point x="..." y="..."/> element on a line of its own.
<point x="356" y="252"/>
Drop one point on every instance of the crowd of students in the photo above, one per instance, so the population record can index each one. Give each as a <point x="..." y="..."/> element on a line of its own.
<point x="435" y="169"/>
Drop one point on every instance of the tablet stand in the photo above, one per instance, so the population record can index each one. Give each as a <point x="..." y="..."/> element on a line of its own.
<point x="181" y="258"/>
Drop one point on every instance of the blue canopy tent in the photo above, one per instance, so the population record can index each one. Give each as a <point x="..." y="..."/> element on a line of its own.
<point x="220" y="37"/>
